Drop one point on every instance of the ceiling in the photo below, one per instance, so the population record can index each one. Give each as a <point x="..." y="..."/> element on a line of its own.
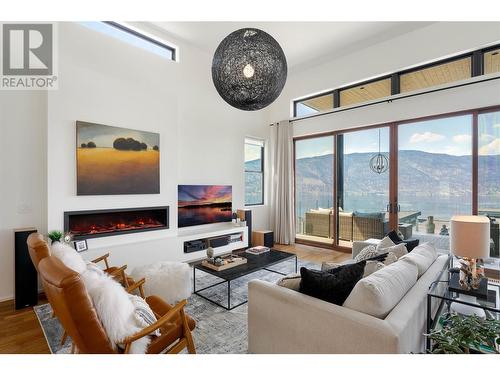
<point x="304" y="43"/>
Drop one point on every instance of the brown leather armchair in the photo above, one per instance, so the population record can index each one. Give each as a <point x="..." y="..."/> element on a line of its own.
<point x="68" y="296"/>
<point x="39" y="249"/>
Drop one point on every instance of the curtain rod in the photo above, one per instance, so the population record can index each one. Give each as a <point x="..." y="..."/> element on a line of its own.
<point x="337" y="110"/>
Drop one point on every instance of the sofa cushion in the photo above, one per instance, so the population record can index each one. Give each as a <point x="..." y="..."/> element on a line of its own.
<point x="422" y="257"/>
<point x="379" y="293"/>
<point x="370" y="215"/>
<point x="332" y="286"/>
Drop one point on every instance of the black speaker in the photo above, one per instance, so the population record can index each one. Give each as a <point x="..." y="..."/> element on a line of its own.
<point x="26" y="277"/>
<point x="246" y="215"/>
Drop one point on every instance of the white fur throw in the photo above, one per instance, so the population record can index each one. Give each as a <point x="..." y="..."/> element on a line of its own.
<point x="68" y="256"/>
<point x="115" y="310"/>
<point x="168" y="280"/>
<point x="119" y="312"/>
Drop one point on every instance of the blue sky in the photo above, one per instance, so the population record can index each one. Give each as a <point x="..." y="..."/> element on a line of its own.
<point x="451" y="136"/>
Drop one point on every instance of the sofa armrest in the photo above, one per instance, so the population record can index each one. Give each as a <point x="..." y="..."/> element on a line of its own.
<point x="281" y="320"/>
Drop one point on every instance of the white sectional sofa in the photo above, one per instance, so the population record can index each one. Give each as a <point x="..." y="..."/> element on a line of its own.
<point x="282" y="320"/>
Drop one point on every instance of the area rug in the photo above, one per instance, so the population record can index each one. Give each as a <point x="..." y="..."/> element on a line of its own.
<point x="218" y="331"/>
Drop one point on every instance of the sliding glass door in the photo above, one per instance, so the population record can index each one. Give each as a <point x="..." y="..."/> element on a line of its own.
<point x="314" y="180"/>
<point x="489" y="174"/>
<point x="363" y="185"/>
<point x="434" y="176"/>
<point x="411" y="176"/>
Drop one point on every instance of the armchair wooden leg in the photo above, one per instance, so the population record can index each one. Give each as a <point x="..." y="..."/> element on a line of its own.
<point x="187" y="334"/>
<point x="63" y="338"/>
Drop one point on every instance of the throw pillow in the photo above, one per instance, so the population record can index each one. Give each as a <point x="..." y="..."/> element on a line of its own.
<point x="422" y="257"/>
<point x="394" y="236"/>
<point x="391" y="258"/>
<point x="378" y="293"/>
<point x="143" y="313"/>
<point x="386" y="242"/>
<point x="334" y="288"/>
<point x="291" y="281"/>
<point x="371" y="267"/>
<point x="367" y="253"/>
<point x="411" y="244"/>
<point x="398" y="250"/>
<point x="397" y="238"/>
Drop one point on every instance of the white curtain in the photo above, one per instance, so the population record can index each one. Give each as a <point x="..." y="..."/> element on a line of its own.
<point x="282" y="217"/>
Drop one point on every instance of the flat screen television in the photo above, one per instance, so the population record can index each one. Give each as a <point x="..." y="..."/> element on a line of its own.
<point x="204" y="204"/>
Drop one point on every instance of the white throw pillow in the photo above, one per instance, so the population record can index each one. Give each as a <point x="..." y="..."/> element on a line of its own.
<point x="398" y="250"/>
<point x="143" y="313"/>
<point x="422" y="256"/>
<point x="371" y="267"/>
<point x="68" y="256"/>
<point x="385" y="243"/>
<point x="115" y="310"/>
<point x="378" y="293"/>
<point x="391" y="258"/>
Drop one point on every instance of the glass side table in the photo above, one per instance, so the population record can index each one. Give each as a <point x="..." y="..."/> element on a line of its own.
<point x="440" y="298"/>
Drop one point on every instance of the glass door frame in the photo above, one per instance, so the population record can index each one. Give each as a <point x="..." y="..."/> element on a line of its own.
<point x="334" y="225"/>
<point x="393" y="206"/>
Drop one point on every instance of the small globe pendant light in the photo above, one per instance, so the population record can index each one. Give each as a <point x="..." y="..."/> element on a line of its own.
<point x="379" y="163"/>
<point x="249" y="69"/>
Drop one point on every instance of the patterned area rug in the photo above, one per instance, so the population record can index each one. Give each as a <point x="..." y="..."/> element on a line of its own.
<point x="217" y="331"/>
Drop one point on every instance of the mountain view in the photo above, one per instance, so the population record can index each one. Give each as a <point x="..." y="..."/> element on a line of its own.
<point x="434" y="184"/>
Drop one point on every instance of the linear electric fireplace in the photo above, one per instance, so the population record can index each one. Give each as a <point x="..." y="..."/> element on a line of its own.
<point x="102" y="223"/>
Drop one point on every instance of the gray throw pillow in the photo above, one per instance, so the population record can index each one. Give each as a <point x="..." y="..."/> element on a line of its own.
<point x="291" y="281"/>
<point x="367" y="253"/>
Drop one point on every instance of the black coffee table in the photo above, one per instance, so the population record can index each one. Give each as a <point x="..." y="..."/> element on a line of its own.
<point x="254" y="263"/>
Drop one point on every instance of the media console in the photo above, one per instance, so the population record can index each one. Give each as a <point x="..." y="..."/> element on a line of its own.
<point x="222" y="240"/>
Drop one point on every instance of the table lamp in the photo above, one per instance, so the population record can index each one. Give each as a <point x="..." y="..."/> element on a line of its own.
<point x="469" y="240"/>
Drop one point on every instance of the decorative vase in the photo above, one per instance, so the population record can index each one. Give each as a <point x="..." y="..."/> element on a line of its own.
<point x="210" y="252"/>
<point x="431" y="227"/>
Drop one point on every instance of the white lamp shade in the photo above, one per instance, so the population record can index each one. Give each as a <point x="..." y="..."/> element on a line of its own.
<point x="470" y="236"/>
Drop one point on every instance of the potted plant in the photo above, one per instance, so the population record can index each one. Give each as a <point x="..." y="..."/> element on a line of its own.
<point x="462" y="334"/>
<point x="55" y="235"/>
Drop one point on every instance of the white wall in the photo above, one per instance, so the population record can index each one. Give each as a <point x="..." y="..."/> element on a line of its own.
<point x="23" y="168"/>
<point x="428" y="44"/>
<point x="107" y="81"/>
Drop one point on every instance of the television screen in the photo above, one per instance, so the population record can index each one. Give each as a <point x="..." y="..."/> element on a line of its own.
<point x="204" y="204"/>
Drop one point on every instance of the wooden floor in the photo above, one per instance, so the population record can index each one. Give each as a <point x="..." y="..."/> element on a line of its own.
<point x="20" y="331"/>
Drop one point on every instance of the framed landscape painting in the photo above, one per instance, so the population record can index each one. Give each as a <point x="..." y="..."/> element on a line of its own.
<point x="112" y="160"/>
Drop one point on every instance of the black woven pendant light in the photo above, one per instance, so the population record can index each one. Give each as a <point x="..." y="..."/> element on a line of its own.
<point x="379" y="163"/>
<point x="249" y="69"/>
